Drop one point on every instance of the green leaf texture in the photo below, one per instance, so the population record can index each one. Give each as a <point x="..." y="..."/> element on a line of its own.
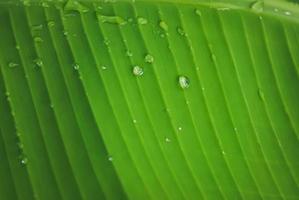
<point x="161" y="100"/>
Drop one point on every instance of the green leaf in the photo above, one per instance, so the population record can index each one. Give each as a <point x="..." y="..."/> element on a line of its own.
<point x="145" y="99"/>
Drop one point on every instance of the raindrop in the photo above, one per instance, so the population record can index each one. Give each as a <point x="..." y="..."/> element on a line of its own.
<point x="223" y="152"/>
<point x="180" y="128"/>
<point x="106" y="42"/>
<point x="12" y="65"/>
<point x="104" y="67"/>
<point x="141" y="21"/>
<point x="163" y="25"/>
<point x="112" y="19"/>
<point x="134" y="121"/>
<point x="184" y="82"/>
<point x="149" y="58"/>
<point x="137" y="71"/>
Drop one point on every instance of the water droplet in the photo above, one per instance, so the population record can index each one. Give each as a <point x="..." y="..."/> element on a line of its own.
<point x="167" y="140"/>
<point x="141" y="21"/>
<point x="106" y="42"/>
<point x="223" y="152"/>
<point x="134" y="121"/>
<point x="162" y="35"/>
<point x="104" y="67"/>
<point x="38" y="39"/>
<point x="149" y="58"/>
<point x="184" y="82"/>
<point x="20" y="145"/>
<point x="137" y="71"/>
<point x="23" y="160"/>
<point x="45" y="5"/>
<point x="163" y="25"/>
<point x="18" y="47"/>
<point x="12" y="65"/>
<point x="112" y="19"/>
<point x="181" y="31"/>
<point x="223" y="9"/>
<point x="180" y="128"/>
<point x="257" y="6"/>
<point x="110" y="158"/>
<point x="26" y="3"/>
<point x="129" y="53"/>
<point x="202" y="88"/>
<point x="51" y="23"/>
<point x="276" y="10"/>
<point x="51" y="105"/>
<point x="287" y="13"/>
<point x="76" y="66"/>
<point x="38" y="62"/>
<point x="261" y="95"/>
<point x="197" y="12"/>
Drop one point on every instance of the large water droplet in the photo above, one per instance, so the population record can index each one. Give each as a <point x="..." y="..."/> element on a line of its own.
<point x="257" y="6"/>
<point x="149" y="58"/>
<point x="141" y="21"/>
<point x="163" y="25"/>
<point x="184" y="82"/>
<point x="112" y="19"/>
<point x="137" y="71"/>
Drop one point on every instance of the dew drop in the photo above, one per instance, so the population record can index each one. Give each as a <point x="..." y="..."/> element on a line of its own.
<point x="223" y="152"/>
<point x="12" y="65"/>
<point x="38" y="62"/>
<point x="112" y="19"/>
<point x="106" y="42"/>
<point x="181" y="31"/>
<point x="180" y="128"/>
<point x="134" y="121"/>
<point x="287" y="13"/>
<point x="72" y="5"/>
<point x="110" y="158"/>
<point x="76" y="66"/>
<point x="257" y="6"/>
<point x="103" y="67"/>
<point x="129" y="53"/>
<point x="51" y="105"/>
<point x="184" y="82"/>
<point x="197" y="12"/>
<point x="141" y="21"/>
<point x="45" y="5"/>
<point x="163" y="25"/>
<point x="37" y="27"/>
<point x="276" y="10"/>
<point x="18" y="47"/>
<point x="23" y="160"/>
<point x="149" y="58"/>
<point x="167" y="140"/>
<point x="137" y="71"/>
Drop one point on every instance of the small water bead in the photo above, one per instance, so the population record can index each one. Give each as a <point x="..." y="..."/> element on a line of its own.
<point x="134" y="121"/>
<point x="12" y="65"/>
<point x="287" y="13"/>
<point x="149" y="58"/>
<point x="76" y="66"/>
<point x="184" y="82"/>
<point x="45" y="5"/>
<point x="137" y="71"/>
<point x="72" y="5"/>
<point x="38" y="62"/>
<point x="167" y="140"/>
<point x="276" y="10"/>
<point x="141" y="21"/>
<point x="110" y="158"/>
<point x="106" y="42"/>
<point x="37" y="27"/>
<point x="18" y="47"/>
<point x="103" y="67"/>
<point x="261" y="95"/>
<point x="129" y="53"/>
<point x="163" y="25"/>
<point x="197" y="12"/>
<point x="23" y="160"/>
<point x="223" y="152"/>
<point x="181" y="31"/>
<point x="180" y="128"/>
